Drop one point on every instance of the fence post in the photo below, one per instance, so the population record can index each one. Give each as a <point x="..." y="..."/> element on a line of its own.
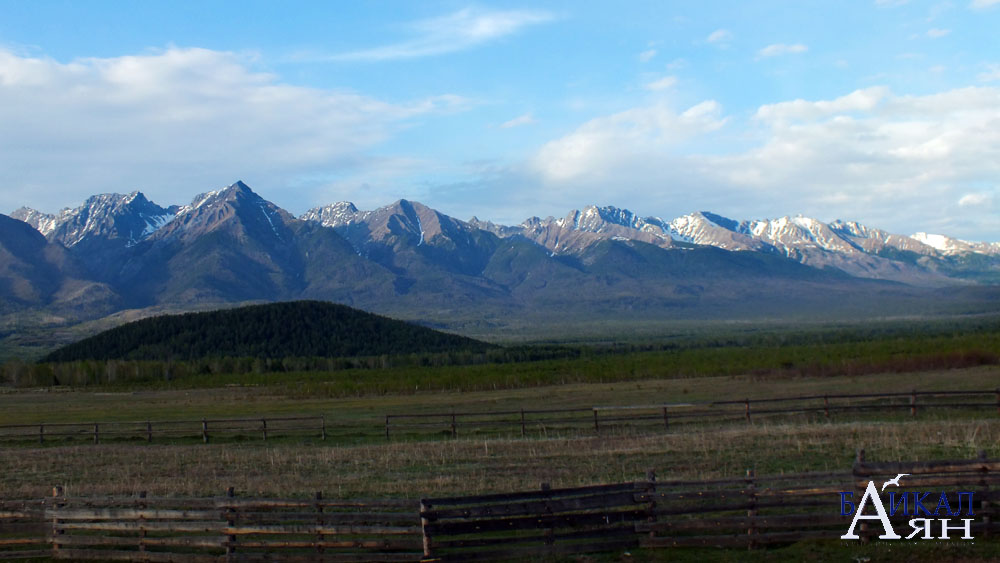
<point x="58" y="502"/>
<point x="454" y="428"/>
<point x="97" y="438"/>
<point x="41" y="433"/>
<point x="752" y="511"/>
<point x="428" y="545"/>
<point x="204" y="430"/>
<point x="597" y="427"/>
<point x="522" y="424"/>
<point x="747" y="403"/>
<point x="320" y="522"/>
<point x="230" y="522"/>
<point x="263" y="426"/>
<point x="142" y="518"/>
<point x="913" y="403"/>
<point x="651" y="489"/>
<point x="998" y="400"/>
<point x="826" y="407"/>
<point x="666" y="419"/>
<point x="386" y="427"/>
<point x="549" y="533"/>
<point x="322" y="421"/>
<point x="149" y="431"/>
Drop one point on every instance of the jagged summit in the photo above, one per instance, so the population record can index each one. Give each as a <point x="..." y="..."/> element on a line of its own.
<point x="128" y="218"/>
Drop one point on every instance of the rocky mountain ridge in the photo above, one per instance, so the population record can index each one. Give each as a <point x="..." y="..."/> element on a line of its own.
<point x="122" y="251"/>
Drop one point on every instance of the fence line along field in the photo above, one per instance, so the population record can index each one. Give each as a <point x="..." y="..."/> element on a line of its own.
<point x="566" y="421"/>
<point x="749" y="512"/>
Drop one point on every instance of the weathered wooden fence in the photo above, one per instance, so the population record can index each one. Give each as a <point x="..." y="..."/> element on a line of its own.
<point x="23" y="530"/>
<point x="524" y="524"/>
<point x="261" y="427"/>
<point x="228" y="528"/>
<point x="746" y="513"/>
<point x="665" y="415"/>
<point x="749" y="512"/>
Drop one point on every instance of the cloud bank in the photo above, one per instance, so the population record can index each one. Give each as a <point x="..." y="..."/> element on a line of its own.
<point x="171" y="120"/>
<point x="872" y="155"/>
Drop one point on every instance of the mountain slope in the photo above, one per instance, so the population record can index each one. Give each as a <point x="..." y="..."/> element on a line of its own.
<point x="231" y="246"/>
<point x="36" y="273"/>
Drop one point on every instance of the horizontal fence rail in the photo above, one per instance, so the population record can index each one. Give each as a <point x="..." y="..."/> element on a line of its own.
<point x="666" y="415"/>
<point x="508" y="423"/>
<point x="262" y="428"/>
<point x="749" y="512"/>
<point x="233" y="529"/>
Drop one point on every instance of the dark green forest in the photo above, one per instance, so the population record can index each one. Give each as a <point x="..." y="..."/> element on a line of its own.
<point x="278" y="330"/>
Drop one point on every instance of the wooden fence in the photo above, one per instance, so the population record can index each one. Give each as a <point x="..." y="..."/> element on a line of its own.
<point x="666" y="415"/>
<point x="23" y="530"/>
<point x="749" y="512"/>
<point x="146" y="430"/>
<point x="523" y="422"/>
<point x="229" y="528"/>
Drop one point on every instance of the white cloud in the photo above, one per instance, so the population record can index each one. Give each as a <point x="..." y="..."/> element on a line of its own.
<point x="979" y="199"/>
<point x="983" y="4"/>
<point x="664" y="83"/>
<point x="647" y="55"/>
<point x="599" y="146"/>
<point x="461" y="30"/>
<point x="782" y="49"/>
<point x="526" y="119"/>
<point x="935" y="33"/>
<point x="178" y="120"/>
<point x="719" y="36"/>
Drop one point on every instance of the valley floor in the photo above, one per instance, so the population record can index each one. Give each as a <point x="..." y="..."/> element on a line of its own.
<point x="359" y="463"/>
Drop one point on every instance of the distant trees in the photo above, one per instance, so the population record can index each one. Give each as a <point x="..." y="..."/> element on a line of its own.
<point x="300" y="329"/>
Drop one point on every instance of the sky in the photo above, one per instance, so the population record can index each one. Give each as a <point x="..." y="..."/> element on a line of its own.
<point x="885" y="112"/>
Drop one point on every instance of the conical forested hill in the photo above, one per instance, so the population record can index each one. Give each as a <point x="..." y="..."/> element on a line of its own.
<point x="276" y="330"/>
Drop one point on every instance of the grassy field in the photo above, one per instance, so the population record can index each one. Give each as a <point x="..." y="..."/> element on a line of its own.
<point x="363" y="464"/>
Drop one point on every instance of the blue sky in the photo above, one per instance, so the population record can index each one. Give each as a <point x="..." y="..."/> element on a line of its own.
<point x="886" y="112"/>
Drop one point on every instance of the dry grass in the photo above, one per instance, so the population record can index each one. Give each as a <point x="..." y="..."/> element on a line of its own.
<point x="469" y="466"/>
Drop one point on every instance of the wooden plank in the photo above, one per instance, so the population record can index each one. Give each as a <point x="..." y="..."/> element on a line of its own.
<point x="413" y="545"/>
<point x="10" y="514"/>
<point x="377" y="518"/>
<point x="601" y="500"/>
<point x="532" y="495"/>
<point x="7" y="542"/>
<point x="329" y="557"/>
<point x="205" y="542"/>
<point x="153" y="556"/>
<point x="26" y="554"/>
<point x="25" y="528"/>
<point x="135" y="514"/>
<point x="742" y="523"/>
<point x="528" y="553"/>
<point x="325" y="530"/>
<point x="195" y="527"/>
<point x="238" y="503"/>
<point x="536" y="522"/>
<point x="621" y="531"/>
<point x="735" y="540"/>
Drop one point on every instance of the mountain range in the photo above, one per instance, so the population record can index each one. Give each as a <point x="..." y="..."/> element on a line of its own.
<point x="123" y="252"/>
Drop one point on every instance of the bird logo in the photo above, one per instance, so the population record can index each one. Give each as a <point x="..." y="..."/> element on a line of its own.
<point x="894" y="481"/>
